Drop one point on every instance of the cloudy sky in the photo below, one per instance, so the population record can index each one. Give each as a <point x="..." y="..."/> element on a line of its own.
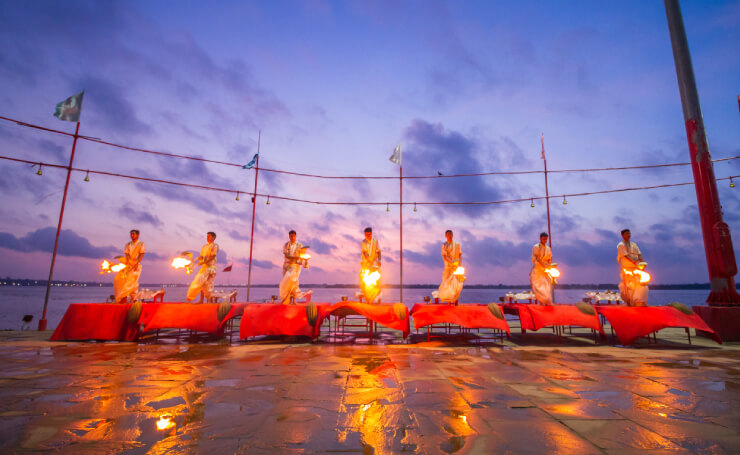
<point x="334" y="86"/>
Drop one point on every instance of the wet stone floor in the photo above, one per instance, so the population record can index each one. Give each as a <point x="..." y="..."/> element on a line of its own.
<point x="428" y="397"/>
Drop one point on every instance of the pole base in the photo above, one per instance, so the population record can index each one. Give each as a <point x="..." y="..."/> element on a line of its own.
<point x="42" y="324"/>
<point x="725" y="320"/>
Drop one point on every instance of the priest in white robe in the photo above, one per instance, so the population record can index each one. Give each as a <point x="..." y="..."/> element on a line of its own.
<point x="451" y="286"/>
<point x="289" y="286"/>
<point x="539" y="279"/>
<point x="629" y="256"/>
<point x="126" y="281"/>
<point x="203" y="281"/>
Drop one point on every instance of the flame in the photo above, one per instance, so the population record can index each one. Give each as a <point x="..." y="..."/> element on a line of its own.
<point x="459" y="271"/>
<point x="370" y="278"/>
<point x="165" y="422"/>
<point x="106" y="267"/>
<point x="644" y="276"/>
<point x="183" y="262"/>
<point x="305" y="256"/>
<point x="553" y="272"/>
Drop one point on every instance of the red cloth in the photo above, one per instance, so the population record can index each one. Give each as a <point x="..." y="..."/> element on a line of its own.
<point x="95" y="321"/>
<point x="383" y="314"/>
<point x="631" y="323"/>
<point x="520" y="309"/>
<point x="551" y="315"/>
<point x="724" y="320"/>
<point x="200" y="317"/>
<point x="472" y="316"/>
<point x="279" y="319"/>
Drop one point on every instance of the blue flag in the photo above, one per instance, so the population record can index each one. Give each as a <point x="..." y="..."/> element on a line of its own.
<point x="252" y="163"/>
<point x="70" y="108"/>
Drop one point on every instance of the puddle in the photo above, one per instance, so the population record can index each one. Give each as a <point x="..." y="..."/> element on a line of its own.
<point x="222" y="382"/>
<point x="679" y="392"/>
<point x="167" y="403"/>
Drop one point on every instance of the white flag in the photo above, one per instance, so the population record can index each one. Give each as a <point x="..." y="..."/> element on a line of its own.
<point x="396" y="157"/>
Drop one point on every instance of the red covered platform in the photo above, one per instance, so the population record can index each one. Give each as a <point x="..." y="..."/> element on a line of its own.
<point x="631" y="323"/>
<point x="391" y="315"/>
<point x="278" y="319"/>
<point x="534" y="317"/>
<point x="200" y="317"/>
<point x="724" y="320"/>
<point x="471" y="316"/>
<point x="96" y="321"/>
<point x="107" y="321"/>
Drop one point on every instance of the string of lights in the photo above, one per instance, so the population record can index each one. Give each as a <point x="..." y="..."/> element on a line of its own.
<point x="346" y="177"/>
<point x="237" y="192"/>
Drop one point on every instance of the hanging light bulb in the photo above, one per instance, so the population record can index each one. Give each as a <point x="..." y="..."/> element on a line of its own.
<point x="532" y="204"/>
<point x="565" y="202"/>
<point x="387" y="207"/>
<point x="237" y="195"/>
<point x="87" y="176"/>
<point x="268" y="199"/>
<point x="414" y="206"/>
<point x="732" y="184"/>
<point x="39" y="171"/>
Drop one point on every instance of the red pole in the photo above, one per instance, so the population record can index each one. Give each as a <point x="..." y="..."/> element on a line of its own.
<point x="42" y="321"/>
<point x="716" y="233"/>
<point x="400" y="216"/>
<point x="547" y="194"/>
<point x="254" y="210"/>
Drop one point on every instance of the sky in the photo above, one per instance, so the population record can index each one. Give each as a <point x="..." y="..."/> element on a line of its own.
<point x="330" y="88"/>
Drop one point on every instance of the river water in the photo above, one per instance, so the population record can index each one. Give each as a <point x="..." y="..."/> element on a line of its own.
<point x="16" y="301"/>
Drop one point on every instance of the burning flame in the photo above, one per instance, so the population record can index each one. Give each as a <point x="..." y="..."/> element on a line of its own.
<point x="370" y="278"/>
<point x="553" y="272"/>
<point x="459" y="271"/>
<point x="644" y="276"/>
<point x="106" y="267"/>
<point x="183" y="262"/>
<point x="165" y="422"/>
<point x="305" y="256"/>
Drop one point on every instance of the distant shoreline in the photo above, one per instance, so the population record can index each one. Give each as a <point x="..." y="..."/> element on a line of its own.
<point x="9" y="282"/>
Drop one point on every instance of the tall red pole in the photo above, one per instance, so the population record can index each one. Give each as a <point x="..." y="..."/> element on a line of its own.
<point x="42" y="321"/>
<point x="717" y="242"/>
<point x="254" y="210"/>
<point x="547" y="194"/>
<point x="400" y="216"/>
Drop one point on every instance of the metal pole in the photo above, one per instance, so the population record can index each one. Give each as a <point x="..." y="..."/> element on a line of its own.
<point x="400" y="216"/>
<point x="254" y="210"/>
<point x="547" y="194"/>
<point x="716" y="233"/>
<point x="42" y="321"/>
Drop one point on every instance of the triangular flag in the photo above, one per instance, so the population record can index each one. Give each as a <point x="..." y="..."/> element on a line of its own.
<point x="228" y="269"/>
<point x="396" y="157"/>
<point x="70" y="108"/>
<point x="252" y="163"/>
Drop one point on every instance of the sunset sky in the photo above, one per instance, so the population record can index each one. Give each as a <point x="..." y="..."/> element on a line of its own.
<point x="464" y="87"/>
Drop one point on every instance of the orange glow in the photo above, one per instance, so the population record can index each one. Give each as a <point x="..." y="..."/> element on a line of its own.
<point x="305" y="256"/>
<point x="370" y="278"/>
<point x="106" y="267"/>
<point x="165" y="422"/>
<point x="183" y="262"/>
<point x="553" y="272"/>
<point x="644" y="276"/>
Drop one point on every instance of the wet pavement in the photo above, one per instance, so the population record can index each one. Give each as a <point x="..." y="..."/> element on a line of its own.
<point x="551" y="395"/>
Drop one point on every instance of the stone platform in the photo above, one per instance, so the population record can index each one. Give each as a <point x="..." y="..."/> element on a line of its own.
<point x="555" y="395"/>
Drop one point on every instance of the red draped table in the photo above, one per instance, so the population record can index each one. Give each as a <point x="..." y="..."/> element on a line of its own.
<point x="391" y="315"/>
<point x="631" y="323"/>
<point x="96" y="321"/>
<point x="200" y="317"/>
<point x="534" y="317"/>
<point x="281" y="320"/>
<point x="470" y="316"/>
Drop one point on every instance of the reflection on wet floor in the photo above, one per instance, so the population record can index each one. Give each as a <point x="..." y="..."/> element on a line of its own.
<point x="375" y="398"/>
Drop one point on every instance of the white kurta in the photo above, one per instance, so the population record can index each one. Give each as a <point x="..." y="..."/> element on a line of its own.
<point x="631" y="291"/>
<point x="540" y="281"/>
<point x="203" y="281"/>
<point x="450" y="287"/>
<point x="126" y="281"/>
<point x="291" y="271"/>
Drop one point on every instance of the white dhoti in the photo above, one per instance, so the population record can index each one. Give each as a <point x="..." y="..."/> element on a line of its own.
<point x="289" y="284"/>
<point x="541" y="285"/>
<point x="126" y="282"/>
<point x="539" y="279"/>
<point x="631" y="290"/>
<point x="203" y="282"/>
<point x="451" y="286"/>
